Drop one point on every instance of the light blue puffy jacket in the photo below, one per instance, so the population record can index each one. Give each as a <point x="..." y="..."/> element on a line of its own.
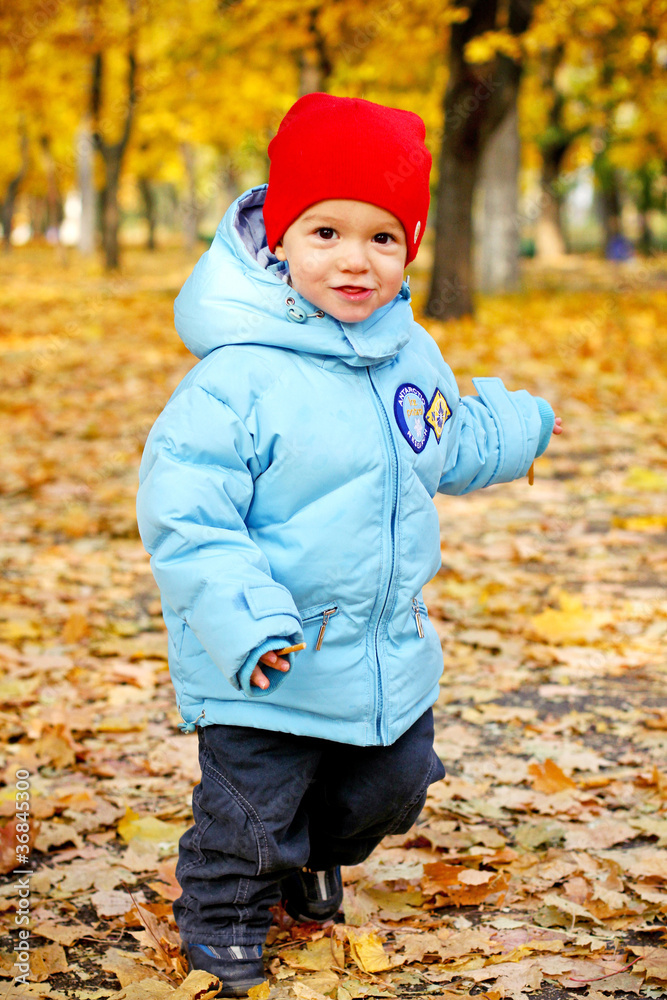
<point x="286" y="496"/>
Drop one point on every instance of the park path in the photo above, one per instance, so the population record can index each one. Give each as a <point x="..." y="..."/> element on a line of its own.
<point x="539" y="864"/>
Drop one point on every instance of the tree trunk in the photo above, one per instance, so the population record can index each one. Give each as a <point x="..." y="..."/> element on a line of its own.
<point x="148" y="196"/>
<point x="644" y="205"/>
<point x="314" y="63"/>
<point x="111" y="210"/>
<point x="9" y="202"/>
<point x="37" y="213"/>
<point x="112" y="155"/>
<point x="477" y="99"/>
<point x="553" y="144"/>
<point x="609" y="199"/>
<point x="549" y="239"/>
<point x="645" y="241"/>
<point x="499" y="236"/>
<point x="54" y="203"/>
<point x="84" y="160"/>
<point x="191" y="207"/>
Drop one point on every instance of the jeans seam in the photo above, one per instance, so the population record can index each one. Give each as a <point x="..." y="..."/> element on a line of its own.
<point x="413" y="801"/>
<point x="257" y="825"/>
<point x="240" y="901"/>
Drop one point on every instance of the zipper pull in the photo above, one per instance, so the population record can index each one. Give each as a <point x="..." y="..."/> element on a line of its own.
<point x="418" y="618"/>
<point x="323" y="627"/>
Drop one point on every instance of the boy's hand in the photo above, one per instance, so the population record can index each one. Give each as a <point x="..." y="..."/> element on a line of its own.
<point x="558" y="426"/>
<point x="258" y="678"/>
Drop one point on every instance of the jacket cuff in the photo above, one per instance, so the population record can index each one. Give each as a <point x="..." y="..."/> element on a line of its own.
<point x="276" y="677"/>
<point x="548" y="418"/>
<point x="518" y="424"/>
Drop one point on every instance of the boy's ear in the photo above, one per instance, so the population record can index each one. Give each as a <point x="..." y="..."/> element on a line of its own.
<point x="280" y="251"/>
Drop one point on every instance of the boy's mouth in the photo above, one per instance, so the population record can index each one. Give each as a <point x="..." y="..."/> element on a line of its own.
<point x="353" y="293"/>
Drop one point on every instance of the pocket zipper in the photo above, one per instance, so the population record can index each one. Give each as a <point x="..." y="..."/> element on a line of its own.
<point x="326" y="615"/>
<point x="418" y="618"/>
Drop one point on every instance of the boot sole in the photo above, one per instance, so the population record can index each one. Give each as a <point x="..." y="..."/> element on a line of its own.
<point x="238" y="989"/>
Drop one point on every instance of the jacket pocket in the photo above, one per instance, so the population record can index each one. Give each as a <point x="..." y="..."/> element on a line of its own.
<point x="265" y="600"/>
<point x="318" y="614"/>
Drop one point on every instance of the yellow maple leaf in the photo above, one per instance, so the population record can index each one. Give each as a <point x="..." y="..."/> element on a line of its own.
<point x="572" y="622"/>
<point x="261" y="992"/>
<point x="646" y="480"/>
<point x="367" y="951"/>
<point x="199" y="985"/>
<point x="648" y="522"/>
<point x="316" y="956"/>
<point x="549" y="778"/>
<point x="135" y="827"/>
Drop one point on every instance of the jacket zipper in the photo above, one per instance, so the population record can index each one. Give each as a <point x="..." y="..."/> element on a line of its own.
<point x="418" y="617"/>
<point x="394" y="507"/>
<point x="326" y="615"/>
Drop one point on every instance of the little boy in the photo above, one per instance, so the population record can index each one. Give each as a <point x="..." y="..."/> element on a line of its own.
<point x="286" y="499"/>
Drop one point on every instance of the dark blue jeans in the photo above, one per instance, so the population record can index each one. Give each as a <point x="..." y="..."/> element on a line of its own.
<point x="271" y="803"/>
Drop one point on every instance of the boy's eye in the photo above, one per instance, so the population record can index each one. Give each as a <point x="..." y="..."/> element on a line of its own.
<point x="384" y="238"/>
<point x="325" y="232"/>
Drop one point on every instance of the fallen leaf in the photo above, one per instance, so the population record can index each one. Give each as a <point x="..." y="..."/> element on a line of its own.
<point x="127" y="966"/>
<point x="304" y="992"/>
<point x="315" y="956"/>
<point x="135" y="827"/>
<point x="599" y="836"/>
<point x="367" y="951"/>
<point x="653" y="962"/>
<point x="549" y="778"/>
<point x="261" y="992"/>
<point x="572" y="622"/>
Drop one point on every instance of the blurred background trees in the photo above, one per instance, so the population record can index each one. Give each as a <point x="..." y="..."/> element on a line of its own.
<point x="131" y="121"/>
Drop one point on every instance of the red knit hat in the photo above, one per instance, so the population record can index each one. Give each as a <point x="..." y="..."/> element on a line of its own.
<point x="346" y="147"/>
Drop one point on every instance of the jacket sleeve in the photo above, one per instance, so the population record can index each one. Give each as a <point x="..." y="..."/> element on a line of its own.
<point x="196" y="485"/>
<point x="497" y="436"/>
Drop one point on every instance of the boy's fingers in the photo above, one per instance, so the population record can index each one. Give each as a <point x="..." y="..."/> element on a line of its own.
<point x="259" y="679"/>
<point x="272" y="660"/>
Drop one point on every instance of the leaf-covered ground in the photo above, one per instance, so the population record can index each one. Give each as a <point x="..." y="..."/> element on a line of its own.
<point x="539" y="864"/>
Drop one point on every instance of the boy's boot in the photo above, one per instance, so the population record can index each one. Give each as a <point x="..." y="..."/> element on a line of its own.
<point x="238" y="967"/>
<point x="312" y="896"/>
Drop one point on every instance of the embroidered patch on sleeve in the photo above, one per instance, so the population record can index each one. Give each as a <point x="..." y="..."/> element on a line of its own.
<point x="410" y="410"/>
<point x="438" y="413"/>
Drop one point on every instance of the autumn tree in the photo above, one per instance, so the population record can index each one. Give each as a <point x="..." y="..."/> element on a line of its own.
<point x="478" y="96"/>
<point x="594" y="96"/>
<point x="37" y="108"/>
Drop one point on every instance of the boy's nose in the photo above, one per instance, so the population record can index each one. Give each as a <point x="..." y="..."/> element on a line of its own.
<point x="352" y="257"/>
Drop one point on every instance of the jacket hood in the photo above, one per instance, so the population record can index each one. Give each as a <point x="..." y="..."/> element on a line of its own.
<point x="238" y="294"/>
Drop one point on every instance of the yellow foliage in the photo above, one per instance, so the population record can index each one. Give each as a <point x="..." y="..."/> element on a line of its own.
<point x="135" y="827"/>
<point x="485" y="47"/>
<point x="646" y="480"/>
<point x="316" y="956"/>
<point x="261" y="992"/>
<point x="572" y="622"/>
<point x="549" y="778"/>
<point x="647" y="522"/>
<point x="367" y="951"/>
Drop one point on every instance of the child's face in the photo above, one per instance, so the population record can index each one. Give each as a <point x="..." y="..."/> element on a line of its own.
<point x="346" y="257"/>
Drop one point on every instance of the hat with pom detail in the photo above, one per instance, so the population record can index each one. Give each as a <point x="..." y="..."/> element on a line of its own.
<point x="347" y="147"/>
